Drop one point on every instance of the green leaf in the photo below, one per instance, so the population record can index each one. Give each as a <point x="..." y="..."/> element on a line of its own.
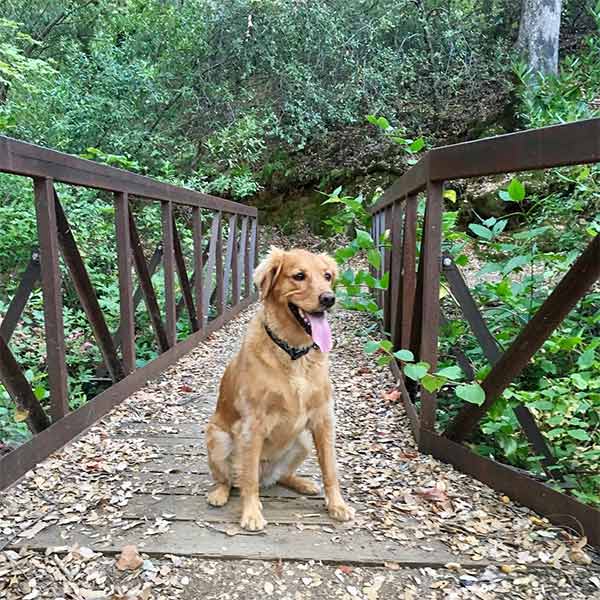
<point x="471" y="392"/>
<point x="348" y="276"/>
<point x="343" y="254"/>
<point x="386" y="345"/>
<point x="481" y="231"/>
<point x="453" y="373"/>
<point x="369" y="280"/>
<point x="417" y="145"/>
<point x="374" y="258"/>
<point x="404" y="355"/>
<point x="579" y="434"/>
<point x="529" y="234"/>
<point x="516" y="190"/>
<point x="515" y="263"/>
<point x="383" y="283"/>
<point x="579" y="381"/>
<point x="384" y="360"/>
<point x="416" y="371"/>
<point x="499" y="227"/>
<point x="363" y="239"/>
<point x="433" y="383"/>
<point x="509" y="445"/>
<point x="450" y="195"/>
<point x="556" y="432"/>
<point x="586" y="360"/>
<point x="371" y="347"/>
<point x="380" y="122"/>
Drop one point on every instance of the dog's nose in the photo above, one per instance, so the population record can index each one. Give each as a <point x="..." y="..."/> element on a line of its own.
<point x="327" y="299"/>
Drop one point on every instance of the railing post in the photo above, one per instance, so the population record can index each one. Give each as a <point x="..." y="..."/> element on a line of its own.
<point x="386" y="264"/>
<point x="431" y="248"/>
<point x="235" y="268"/>
<point x="253" y="250"/>
<point x="198" y="265"/>
<point x="243" y="264"/>
<point x="409" y="275"/>
<point x="169" y="272"/>
<point x="228" y="275"/>
<point x="220" y="293"/>
<point x="215" y="227"/>
<point x="51" y="288"/>
<point x="395" y="271"/>
<point x="124" y="258"/>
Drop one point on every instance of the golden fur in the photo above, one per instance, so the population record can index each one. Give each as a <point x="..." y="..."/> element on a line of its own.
<point x="269" y="406"/>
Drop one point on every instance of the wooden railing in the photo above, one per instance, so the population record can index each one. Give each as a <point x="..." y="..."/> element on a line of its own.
<point x="219" y="287"/>
<point x="412" y="311"/>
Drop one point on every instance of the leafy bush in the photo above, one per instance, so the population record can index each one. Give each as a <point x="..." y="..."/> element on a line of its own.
<point x="215" y="88"/>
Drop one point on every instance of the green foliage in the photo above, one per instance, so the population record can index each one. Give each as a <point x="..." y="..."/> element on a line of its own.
<point x="355" y="288"/>
<point x="561" y="384"/>
<point x="569" y="96"/>
<point x="398" y="136"/>
<point x="216" y="88"/>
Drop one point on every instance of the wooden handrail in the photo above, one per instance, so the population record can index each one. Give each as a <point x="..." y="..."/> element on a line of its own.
<point x="207" y="298"/>
<point x="411" y="308"/>
<point x="547" y="147"/>
<point x="22" y="158"/>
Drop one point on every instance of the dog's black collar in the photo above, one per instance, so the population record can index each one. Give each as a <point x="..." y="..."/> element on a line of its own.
<point x="291" y="351"/>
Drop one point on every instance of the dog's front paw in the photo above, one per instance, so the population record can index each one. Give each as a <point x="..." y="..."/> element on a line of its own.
<point x="252" y="520"/>
<point x="341" y="512"/>
<point x="218" y="496"/>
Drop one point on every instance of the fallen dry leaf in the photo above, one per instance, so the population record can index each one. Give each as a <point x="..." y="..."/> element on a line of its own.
<point x="130" y="559"/>
<point x="432" y="494"/>
<point x="577" y="555"/>
<point x="392" y="396"/>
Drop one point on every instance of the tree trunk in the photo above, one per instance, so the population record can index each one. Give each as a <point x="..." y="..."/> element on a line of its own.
<point x="539" y="33"/>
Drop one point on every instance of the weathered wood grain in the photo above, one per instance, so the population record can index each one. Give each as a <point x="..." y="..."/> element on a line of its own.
<point x="282" y="542"/>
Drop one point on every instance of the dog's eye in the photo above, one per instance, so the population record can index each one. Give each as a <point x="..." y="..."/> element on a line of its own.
<point x="328" y="276"/>
<point x="299" y="276"/>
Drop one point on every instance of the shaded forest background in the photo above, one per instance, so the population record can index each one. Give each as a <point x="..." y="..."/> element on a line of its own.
<point x="250" y="96"/>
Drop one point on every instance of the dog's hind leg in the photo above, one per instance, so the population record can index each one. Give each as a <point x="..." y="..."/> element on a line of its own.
<point x="219" y="445"/>
<point x="293" y="458"/>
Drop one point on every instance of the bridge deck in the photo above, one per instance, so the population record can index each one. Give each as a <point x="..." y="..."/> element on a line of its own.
<point x="140" y="477"/>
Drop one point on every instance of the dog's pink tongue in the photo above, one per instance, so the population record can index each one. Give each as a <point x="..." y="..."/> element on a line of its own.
<point x="321" y="332"/>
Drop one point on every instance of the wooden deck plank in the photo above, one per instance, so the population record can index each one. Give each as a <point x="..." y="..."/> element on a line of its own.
<point x="285" y="542"/>
<point x="171" y="463"/>
<point x="195" y="484"/>
<point x="154" y="429"/>
<point x="195" y="508"/>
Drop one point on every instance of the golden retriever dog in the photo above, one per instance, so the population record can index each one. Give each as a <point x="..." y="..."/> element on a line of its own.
<point x="275" y="393"/>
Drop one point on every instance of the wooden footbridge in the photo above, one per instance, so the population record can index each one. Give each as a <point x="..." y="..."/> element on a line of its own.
<point x="66" y="485"/>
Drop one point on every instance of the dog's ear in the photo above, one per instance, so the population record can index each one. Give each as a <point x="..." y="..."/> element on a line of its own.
<point x="267" y="272"/>
<point x="331" y="266"/>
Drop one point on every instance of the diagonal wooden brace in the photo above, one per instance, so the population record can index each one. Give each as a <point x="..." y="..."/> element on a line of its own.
<point x="29" y="281"/>
<point x="19" y="389"/>
<point x="86" y="293"/>
<point x="145" y="281"/>
<point x="573" y="286"/>
<point x="493" y="353"/>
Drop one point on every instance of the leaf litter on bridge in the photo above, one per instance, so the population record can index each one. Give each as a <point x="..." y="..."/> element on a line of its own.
<point x="401" y="496"/>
